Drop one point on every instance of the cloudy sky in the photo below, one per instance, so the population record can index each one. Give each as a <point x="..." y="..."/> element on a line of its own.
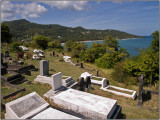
<point x="136" y="17"/>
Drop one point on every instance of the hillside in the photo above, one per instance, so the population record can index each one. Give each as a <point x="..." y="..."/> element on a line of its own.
<point x="22" y="29"/>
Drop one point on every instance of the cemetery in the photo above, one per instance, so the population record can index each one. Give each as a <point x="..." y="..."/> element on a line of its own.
<point x="65" y="92"/>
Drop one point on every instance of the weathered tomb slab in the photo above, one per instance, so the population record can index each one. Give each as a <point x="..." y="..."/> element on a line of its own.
<point x="92" y="106"/>
<point x="51" y="113"/>
<point x="25" y="107"/>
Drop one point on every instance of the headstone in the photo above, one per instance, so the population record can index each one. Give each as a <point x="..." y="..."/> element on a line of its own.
<point x="104" y="82"/>
<point x="85" y="74"/>
<point x="6" y="54"/>
<point x="97" y="72"/>
<point x="50" y="54"/>
<point x="82" y="65"/>
<point x="140" y="96"/>
<point x="77" y="61"/>
<point x="56" y="80"/>
<point x="28" y="72"/>
<point x="57" y="55"/>
<point x="53" y="53"/>
<point x="25" y="107"/>
<point x="63" y="53"/>
<point x="88" y="82"/>
<point x="44" y="67"/>
<point x="81" y="84"/>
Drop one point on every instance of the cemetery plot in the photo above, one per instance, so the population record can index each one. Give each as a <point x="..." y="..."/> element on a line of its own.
<point x="92" y="106"/>
<point x="120" y="91"/>
<point x="25" y="107"/>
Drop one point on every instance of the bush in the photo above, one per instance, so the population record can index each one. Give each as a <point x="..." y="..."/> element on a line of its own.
<point x="15" y="46"/>
<point x="20" y="55"/>
<point x="119" y="74"/>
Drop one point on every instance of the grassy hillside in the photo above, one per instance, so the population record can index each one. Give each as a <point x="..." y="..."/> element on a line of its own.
<point x="130" y="110"/>
<point x="23" y="29"/>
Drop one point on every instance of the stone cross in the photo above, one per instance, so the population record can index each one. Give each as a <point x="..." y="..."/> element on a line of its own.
<point x="140" y="96"/>
<point x="81" y="84"/>
<point x="56" y="81"/>
<point x="44" y="67"/>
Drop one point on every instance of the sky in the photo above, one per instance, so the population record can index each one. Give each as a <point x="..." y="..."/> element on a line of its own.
<point x="135" y="17"/>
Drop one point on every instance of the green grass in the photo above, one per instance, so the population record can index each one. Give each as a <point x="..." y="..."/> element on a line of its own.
<point x="129" y="106"/>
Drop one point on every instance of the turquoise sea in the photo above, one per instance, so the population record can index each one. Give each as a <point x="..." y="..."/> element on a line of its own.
<point x="132" y="45"/>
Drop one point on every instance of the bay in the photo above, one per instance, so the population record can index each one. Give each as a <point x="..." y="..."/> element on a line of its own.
<point x="132" y="45"/>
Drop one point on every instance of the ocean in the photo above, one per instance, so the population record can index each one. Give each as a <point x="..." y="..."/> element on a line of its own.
<point x="132" y="45"/>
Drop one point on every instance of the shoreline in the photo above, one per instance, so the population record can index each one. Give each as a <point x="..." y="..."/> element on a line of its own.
<point x="101" y="40"/>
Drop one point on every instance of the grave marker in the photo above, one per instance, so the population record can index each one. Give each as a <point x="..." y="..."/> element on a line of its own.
<point x="56" y="81"/>
<point x="140" y="96"/>
<point x="81" y="84"/>
<point x="44" y="67"/>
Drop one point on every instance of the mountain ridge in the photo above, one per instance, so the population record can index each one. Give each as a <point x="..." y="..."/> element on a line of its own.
<point x="22" y="29"/>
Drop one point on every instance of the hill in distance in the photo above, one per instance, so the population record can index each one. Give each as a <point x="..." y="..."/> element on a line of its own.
<point x="23" y="29"/>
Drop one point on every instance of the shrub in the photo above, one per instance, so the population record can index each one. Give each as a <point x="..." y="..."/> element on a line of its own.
<point x="20" y="55"/>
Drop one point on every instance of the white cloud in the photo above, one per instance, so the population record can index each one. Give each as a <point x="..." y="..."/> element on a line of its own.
<point x="71" y="5"/>
<point x="33" y="16"/>
<point x="7" y="13"/>
<point x="31" y="10"/>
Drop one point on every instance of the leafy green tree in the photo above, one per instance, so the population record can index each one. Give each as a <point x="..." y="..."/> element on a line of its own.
<point x="15" y="46"/>
<point x="5" y="33"/>
<point x="155" y="41"/>
<point x="111" y="43"/>
<point x="146" y="63"/>
<point x="68" y="45"/>
<point x="41" y="41"/>
<point x="54" y="44"/>
<point x="96" y="51"/>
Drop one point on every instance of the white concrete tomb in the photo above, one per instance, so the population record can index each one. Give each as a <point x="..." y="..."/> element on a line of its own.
<point x="89" y="105"/>
<point x="25" y="107"/>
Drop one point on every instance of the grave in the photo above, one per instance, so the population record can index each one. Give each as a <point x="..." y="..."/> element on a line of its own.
<point x="82" y="102"/>
<point x="44" y="67"/>
<point x="51" y="113"/>
<point x="32" y="106"/>
<point x="25" y="107"/>
<point x="104" y="83"/>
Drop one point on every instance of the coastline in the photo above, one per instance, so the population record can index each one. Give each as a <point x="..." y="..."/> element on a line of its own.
<point x="101" y="40"/>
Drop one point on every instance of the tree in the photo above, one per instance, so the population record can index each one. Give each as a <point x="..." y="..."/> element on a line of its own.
<point x="155" y="41"/>
<point x="5" y="33"/>
<point x="111" y="42"/>
<point x="54" y="44"/>
<point x="146" y="63"/>
<point x="41" y="41"/>
<point x="96" y="51"/>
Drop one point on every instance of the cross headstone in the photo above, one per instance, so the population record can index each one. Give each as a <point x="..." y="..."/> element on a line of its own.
<point x="6" y="54"/>
<point x="140" y="96"/>
<point x="81" y="84"/>
<point x="44" y="67"/>
<point x="56" y="81"/>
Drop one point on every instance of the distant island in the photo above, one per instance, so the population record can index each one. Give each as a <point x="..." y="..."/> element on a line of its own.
<point x="24" y="30"/>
